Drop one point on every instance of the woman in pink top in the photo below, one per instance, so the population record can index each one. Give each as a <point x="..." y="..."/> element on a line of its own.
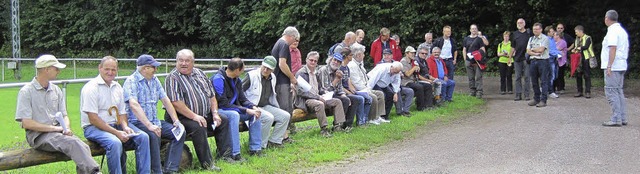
<point x="296" y="57"/>
<point x="561" y="44"/>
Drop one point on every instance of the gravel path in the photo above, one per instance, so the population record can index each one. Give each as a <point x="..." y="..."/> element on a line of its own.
<point x="512" y="137"/>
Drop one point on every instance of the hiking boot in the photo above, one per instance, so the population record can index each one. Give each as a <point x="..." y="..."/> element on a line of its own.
<point x="533" y="103"/>
<point x="541" y="104"/>
<point x="256" y="153"/>
<point x="325" y="132"/>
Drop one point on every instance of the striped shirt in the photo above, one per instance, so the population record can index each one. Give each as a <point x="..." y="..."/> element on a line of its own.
<point x="195" y="90"/>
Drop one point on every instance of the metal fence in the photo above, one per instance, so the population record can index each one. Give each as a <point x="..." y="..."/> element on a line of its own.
<point x="75" y="60"/>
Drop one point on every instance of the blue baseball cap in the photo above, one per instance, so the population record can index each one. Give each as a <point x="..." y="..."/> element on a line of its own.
<point x="338" y="57"/>
<point x="146" y="59"/>
<point x="387" y="51"/>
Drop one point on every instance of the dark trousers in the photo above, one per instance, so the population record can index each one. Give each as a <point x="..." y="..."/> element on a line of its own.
<point x="348" y="110"/>
<point x="423" y="93"/>
<point x="506" y="80"/>
<point x="199" y="137"/>
<point x="451" y="68"/>
<point x="558" y="84"/>
<point x="388" y="99"/>
<point x="586" y="75"/>
<point x="539" y="71"/>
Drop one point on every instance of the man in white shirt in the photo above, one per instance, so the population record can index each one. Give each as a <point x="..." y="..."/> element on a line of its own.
<point x="614" y="54"/>
<point x="386" y="78"/>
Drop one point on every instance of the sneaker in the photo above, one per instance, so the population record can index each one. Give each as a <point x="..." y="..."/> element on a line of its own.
<point x="382" y="120"/>
<point x="578" y="95"/>
<point x="503" y="93"/>
<point x="374" y="122"/>
<point x="612" y="124"/>
<point x="541" y="104"/>
<point x="325" y="133"/>
<point x="518" y="98"/>
<point x="561" y="92"/>
<point x="509" y="92"/>
<point x="234" y="159"/>
<point x="337" y="128"/>
<point x="533" y="103"/>
<point x="526" y="98"/>
<point x="274" y="145"/>
<point x="587" y="95"/>
<point x="553" y="95"/>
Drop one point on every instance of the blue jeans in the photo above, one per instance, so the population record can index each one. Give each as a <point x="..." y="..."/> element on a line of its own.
<point x="255" y="134"/>
<point x="553" y="72"/>
<point x="539" y="71"/>
<point x="115" y="149"/>
<point x="615" y="95"/>
<point x="362" y="119"/>
<point x="356" y="109"/>
<point x="447" y="89"/>
<point x="451" y="68"/>
<point x="174" y="152"/>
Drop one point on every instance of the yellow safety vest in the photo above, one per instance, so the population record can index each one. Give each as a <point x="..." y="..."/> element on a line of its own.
<point x="588" y="53"/>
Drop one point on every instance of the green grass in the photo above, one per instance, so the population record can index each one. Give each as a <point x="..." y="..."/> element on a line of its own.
<point x="309" y="150"/>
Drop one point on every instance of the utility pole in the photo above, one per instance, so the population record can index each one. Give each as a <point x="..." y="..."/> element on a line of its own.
<point x="15" y="37"/>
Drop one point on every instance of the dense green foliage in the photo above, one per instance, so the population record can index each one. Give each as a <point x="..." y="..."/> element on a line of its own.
<point x="230" y="28"/>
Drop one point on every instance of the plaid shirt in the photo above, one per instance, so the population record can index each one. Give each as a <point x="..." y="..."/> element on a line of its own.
<point x="146" y="92"/>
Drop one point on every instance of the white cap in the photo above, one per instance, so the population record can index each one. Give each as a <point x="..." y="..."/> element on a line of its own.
<point x="48" y="60"/>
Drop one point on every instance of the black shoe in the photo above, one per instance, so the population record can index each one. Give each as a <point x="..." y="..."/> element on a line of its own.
<point x="533" y="103"/>
<point x="587" y="95"/>
<point x="406" y="114"/>
<point x="526" y="98"/>
<point x="337" y="128"/>
<point x="611" y="124"/>
<point x="288" y="140"/>
<point x="624" y="123"/>
<point x="234" y="159"/>
<point x="256" y="153"/>
<point x="578" y="95"/>
<point x="274" y="145"/>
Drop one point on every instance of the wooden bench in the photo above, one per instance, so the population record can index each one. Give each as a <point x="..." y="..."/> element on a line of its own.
<point x="21" y="158"/>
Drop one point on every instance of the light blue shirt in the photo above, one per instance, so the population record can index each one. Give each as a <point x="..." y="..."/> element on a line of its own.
<point x="147" y="93"/>
<point x="381" y="76"/>
<point x="553" y="50"/>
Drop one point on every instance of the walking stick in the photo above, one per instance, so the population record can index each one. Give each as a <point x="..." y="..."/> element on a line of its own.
<point x="117" y="113"/>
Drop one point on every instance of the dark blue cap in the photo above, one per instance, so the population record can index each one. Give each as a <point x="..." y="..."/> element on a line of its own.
<point x="338" y="57"/>
<point x="387" y="51"/>
<point x="146" y="59"/>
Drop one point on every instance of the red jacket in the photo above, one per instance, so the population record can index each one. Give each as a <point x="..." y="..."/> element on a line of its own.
<point x="397" y="53"/>
<point x="376" y="49"/>
<point x="433" y="67"/>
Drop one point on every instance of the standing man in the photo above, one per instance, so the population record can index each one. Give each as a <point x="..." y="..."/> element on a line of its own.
<point x="142" y="90"/>
<point x="259" y="86"/>
<point x="111" y="130"/>
<point x="359" y="36"/>
<point x="359" y="79"/>
<point x="191" y="94"/>
<point x="449" y="50"/>
<point x="614" y="54"/>
<point x="237" y="108"/>
<point x="428" y="42"/>
<point x="285" y="79"/>
<point x="474" y="42"/>
<point x="553" y="62"/>
<point x="538" y="50"/>
<point x="567" y="37"/>
<point x="386" y="78"/>
<point x="584" y="46"/>
<point x="312" y="102"/>
<point x="521" y="66"/>
<point x="38" y="104"/>
<point x="382" y="43"/>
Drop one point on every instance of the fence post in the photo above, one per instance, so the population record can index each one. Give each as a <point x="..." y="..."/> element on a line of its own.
<point x="74" y="69"/>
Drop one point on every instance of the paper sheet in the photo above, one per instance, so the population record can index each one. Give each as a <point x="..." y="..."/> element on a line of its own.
<point x="328" y="95"/>
<point x="303" y="84"/>
<point x="60" y="118"/>
<point x="178" y="131"/>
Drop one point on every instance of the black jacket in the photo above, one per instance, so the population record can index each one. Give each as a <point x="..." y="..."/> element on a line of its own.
<point x="439" y="42"/>
<point x="226" y="88"/>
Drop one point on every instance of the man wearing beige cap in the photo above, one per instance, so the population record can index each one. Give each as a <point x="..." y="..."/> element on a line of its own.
<point x="41" y="109"/>
<point x="260" y="88"/>
<point x="423" y="91"/>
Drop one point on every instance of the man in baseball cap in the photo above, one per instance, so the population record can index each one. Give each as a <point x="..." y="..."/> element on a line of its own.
<point x="146" y="59"/>
<point x="387" y="56"/>
<point x="48" y="60"/>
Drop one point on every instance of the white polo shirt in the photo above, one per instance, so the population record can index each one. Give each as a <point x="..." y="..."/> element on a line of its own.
<point x="97" y="97"/>
<point x="616" y="36"/>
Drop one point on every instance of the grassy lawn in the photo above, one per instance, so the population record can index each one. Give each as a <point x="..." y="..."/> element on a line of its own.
<point x="308" y="151"/>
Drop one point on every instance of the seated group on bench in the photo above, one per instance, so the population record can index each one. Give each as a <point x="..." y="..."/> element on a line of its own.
<point x="219" y="104"/>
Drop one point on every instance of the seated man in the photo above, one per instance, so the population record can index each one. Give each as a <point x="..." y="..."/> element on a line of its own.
<point x="259" y="86"/>
<point x="438" y="69"/>
<point x="359" y="80"/>
<point x="109" y="129"/>
<point x="406" y="94"/>
<point x="352" y="93"/>
<point x="234" y="104"/>
<point x="331" y="79"/>
<point x="142" y="90"/>
<point x="311" y="101"/>
<point x="411" y="78"/>
<point x="38" y="105"/>
<point x="386" y="78"/>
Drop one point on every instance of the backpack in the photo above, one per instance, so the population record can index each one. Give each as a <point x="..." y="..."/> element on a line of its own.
<point x="332" y="49"/>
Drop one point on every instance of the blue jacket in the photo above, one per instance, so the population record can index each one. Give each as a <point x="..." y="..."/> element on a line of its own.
<point x="229" y="92"/>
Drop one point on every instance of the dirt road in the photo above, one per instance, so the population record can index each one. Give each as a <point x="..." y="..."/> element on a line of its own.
<point x="512" y="137"/>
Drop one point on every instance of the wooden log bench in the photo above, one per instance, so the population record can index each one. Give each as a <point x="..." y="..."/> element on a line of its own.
<point x="27" y="157"/>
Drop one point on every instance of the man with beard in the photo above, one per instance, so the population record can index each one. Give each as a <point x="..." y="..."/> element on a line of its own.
<point x="331" y="79"/>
